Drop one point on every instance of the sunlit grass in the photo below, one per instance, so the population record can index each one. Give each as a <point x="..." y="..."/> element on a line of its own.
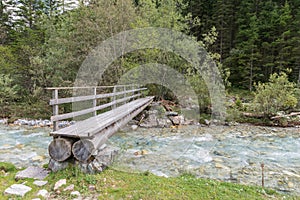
<point x="115" y="184"/>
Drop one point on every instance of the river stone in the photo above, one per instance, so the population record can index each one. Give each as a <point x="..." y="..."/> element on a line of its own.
<point x="75" y="193"/>
<point x="220" y="166"/>
<point x="43" y="193"/>
<point x="69" y="188"/>
<point x="17" y="189"/>
<point x="291" y="174"/>
<point x="60" y="183"/>
<point x="134" y="127"/>
<point x="290" y="184"/>
<point x="40" y="183"/>
<point x="32" y="172"/>
<point x="106" y="156"/>
<point x="177" y="120"/>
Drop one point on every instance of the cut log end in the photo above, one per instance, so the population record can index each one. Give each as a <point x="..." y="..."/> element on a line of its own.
<point x="83" y="150"/>
<point x="60" y="149"/>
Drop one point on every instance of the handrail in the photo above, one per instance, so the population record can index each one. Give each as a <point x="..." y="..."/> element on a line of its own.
<point x="90" y="97"/>
<point x="88" y="87"/>
<point x="133" y="91"/>
<point x="89" y="110"/>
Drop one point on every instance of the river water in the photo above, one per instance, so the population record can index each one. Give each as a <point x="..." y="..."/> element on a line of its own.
<point x="233" y="154"/>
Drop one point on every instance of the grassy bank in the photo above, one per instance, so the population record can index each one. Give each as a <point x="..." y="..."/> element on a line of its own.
<point x="113" y="184"/>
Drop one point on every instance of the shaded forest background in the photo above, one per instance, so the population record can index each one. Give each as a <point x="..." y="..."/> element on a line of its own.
<point x="43" y="43"/>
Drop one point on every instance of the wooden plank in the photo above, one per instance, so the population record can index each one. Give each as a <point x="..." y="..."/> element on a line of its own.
<point x="114" y="117"/>
<point x="89" y="110"/>
<point x="90" y="97"/>
<point x="84" y="149"/>
<point x="88" y="128"/>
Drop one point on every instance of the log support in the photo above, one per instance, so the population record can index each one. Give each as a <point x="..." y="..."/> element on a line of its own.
<point x="60" y="149"/>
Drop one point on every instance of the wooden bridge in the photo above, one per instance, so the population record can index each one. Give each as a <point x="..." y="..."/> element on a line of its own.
<point x="111" y="108"/>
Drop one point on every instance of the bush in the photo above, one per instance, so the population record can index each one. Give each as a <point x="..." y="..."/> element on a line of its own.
<point x="276" y="95"/>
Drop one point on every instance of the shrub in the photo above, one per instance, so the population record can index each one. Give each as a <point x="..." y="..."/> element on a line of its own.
<point x="276" y="95"/>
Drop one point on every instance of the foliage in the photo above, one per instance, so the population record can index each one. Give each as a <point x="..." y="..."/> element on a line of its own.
<point x="276" y="95"/>
<point x="7" y="90"/>
<point x="43" y="42"/>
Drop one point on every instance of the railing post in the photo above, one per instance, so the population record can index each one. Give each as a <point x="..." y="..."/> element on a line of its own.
<point x="124" y="96"/>
<point x="55" y="109"/>
<point x="114" y="98"/>
<point x="95" y="101"/>
<point x="132" y="88"/>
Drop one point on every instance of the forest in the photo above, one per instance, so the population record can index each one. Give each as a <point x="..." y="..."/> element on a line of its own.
<point x="256" y="45"/>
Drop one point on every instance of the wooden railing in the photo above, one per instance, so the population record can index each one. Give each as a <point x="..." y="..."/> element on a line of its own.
<point x="128" y="93"/>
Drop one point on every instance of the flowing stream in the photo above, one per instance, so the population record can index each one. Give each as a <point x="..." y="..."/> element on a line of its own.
<point x="233" y="154"/>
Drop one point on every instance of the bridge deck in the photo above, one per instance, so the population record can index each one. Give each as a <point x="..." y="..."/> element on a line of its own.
<point x="90" y="127"/>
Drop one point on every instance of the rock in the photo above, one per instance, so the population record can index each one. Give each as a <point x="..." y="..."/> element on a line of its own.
<point x="75" y="193"/>
<point x="38" y="158"/>
<point x="102" y="160"/>
<point x="32" y="172"/>
<point x="42" y="193"/>
<point x="221" y="153"/>
<point x="150" y="122"/>
<point x="207" y="122"/>
<point x="134" y="127"/>
<point x="60" y="183"/>
<point x="218" y="160"/>
<point x="170" y="113"/>
<point x="57" y="166"/>
<point x="142" y="152"/>
<point x="69" y="188"/>
<point x="20" y="146"/>
<point x="291" y="174"/>
<point x="92" y="187"/>
<point x="17" y="189"/>
<point x="40" y="183"/>
<point x="177" y="120"/>
<point x="163" y="122"/>
<point x="220" y="166"/>
<point x="290" y="184"/>
<point x="107" y="155"/>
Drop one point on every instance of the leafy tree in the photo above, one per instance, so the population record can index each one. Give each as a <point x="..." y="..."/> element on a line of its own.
<point x="275" y="95"/>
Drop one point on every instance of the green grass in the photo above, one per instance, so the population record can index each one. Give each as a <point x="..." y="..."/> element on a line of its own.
<point x="114" y="184"/>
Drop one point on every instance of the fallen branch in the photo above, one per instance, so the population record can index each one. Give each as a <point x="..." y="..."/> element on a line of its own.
<point x="289" y="115"/>
<point x="256" y="115"/>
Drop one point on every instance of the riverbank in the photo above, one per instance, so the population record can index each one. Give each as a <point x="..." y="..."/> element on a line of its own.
<point x="116" y="184"/>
